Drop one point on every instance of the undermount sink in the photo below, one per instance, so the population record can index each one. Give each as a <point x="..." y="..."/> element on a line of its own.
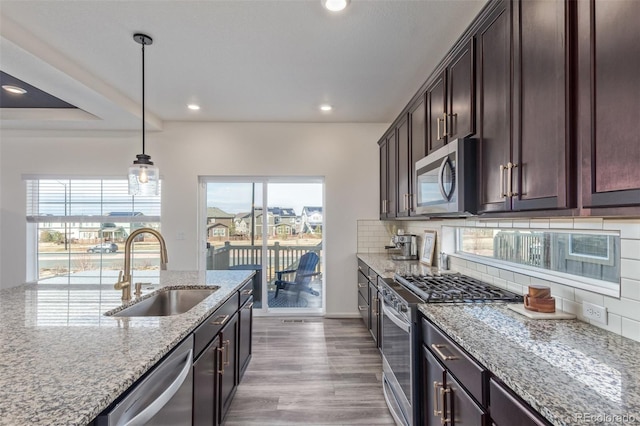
<point x="165" y="303"/>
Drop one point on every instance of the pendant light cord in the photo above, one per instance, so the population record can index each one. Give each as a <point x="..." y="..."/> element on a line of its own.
<point x="143" y="120"/>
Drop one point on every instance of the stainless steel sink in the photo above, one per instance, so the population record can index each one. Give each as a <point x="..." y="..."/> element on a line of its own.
<point x="166" y="303"/>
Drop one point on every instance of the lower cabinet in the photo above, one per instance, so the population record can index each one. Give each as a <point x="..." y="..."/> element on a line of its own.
<point x="454" y="389"/>
<point x="374" y="313"/>
<point x="245" y="331"/>
<point x="228" y="364"/>
<point x="205" y="385"/>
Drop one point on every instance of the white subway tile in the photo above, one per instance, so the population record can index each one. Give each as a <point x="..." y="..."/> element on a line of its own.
<point x="506" y="275"/>
<point x="516" y="288"/>
<point x="501" y="283"/>
<point x="524" y="280"/>
<point x="630" y="269"/>
<point x="539" y="224"/>
<point x="493" y="271"/>
<point x="588" y="223"/>
<point x="629" y="228"/>
<point x="486" y="278"/>
<point x="631" y="329"/>
<point x="614" y="323"/>
<point x="561" y="223"/>
<point x="566" y="292"/>
<point x="630" y="249"/>
<point x="587" y="296"/>
<point x="627" y="308"/>
<point x="481" y="268"/>
<point x="505" y="224"/>
<point x="490" y="223"/>
<point x="521" y="223"/>
<point x="630" y="289"/>
<point x="573" y="308"/>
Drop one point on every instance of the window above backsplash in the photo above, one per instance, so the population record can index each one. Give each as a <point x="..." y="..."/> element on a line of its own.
<point x="583" y="259"/>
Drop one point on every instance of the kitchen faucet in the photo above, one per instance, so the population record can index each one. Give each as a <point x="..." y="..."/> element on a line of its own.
<point x="124" y="279"/>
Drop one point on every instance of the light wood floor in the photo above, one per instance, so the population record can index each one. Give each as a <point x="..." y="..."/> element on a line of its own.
<point x="316" y="372"/>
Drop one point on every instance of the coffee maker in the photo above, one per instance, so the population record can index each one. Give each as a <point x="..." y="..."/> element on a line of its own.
<point x="407" y="245"/>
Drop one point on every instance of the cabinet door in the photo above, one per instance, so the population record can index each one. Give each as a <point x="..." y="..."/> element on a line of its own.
<point x="508" y="409"/>
<point x="245" y="331"/>
<point x="460" y="89"/>
<point x="363" y="308"/>
<point x="460" y="408"/>
<point x="227" y="348"/>
<point x="392" y="155"/>
<point x="205" y="381"/>
<point x="433" y="379"/>
<point x="540" y="100"/>
<point x="609" y="102"/>
<point x="404" y="159"/>
<point x="493" y="64"/>
<point x="384" y="179"/>
<point x="436" y="113"/>
<point x="417" y="122"/>
<point x="374" y="312"/>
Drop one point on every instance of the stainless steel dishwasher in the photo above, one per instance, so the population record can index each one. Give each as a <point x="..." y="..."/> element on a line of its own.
<point x="163" y="397"/>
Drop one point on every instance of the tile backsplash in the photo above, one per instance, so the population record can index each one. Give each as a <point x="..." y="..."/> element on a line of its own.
<point x="623" y="313"/>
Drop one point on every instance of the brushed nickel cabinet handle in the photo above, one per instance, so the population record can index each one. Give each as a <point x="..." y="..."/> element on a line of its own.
<point x="227" y="343"/>
<point x="510" y="167"/>
<point x="444" y="417"/>
<point x="436" y="412"/>
<point x="502" y="194"/>
<point x="220" y="363"/>
<point x="362" y="308"/>
<point x="249" y="306"/>
<point x="248" y="292"/>
<point x="437" y="350"/>
<point x="438" y="137"/>
<point x="361" y="285"/>
<point x="444" y="122"/>
<point x="225" y="318"/>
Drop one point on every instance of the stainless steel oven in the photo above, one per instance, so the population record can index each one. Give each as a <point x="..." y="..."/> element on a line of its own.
<point x="397" y="350"/>
<point x="446" y="180"/>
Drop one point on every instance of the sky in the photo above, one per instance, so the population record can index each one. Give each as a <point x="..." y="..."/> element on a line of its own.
<point x="236" y="197"/>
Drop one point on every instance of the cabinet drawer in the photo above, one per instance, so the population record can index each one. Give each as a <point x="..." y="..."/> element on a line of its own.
<point x="246" y="291"/>
<point x="471" y="374"/>
<point x="363" y="308"/>
<point x="363" y="285"/>
<point x="507" y="409"/>
<point x="212" y="325"/>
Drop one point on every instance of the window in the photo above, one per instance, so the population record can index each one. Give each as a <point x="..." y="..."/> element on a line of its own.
<point x="577" y="256"/>
<point x="77" y="229"/>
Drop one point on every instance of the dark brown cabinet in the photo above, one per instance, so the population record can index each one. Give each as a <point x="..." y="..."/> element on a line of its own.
<point x="609" y="103"/>
<point x="404" y="191"/>
<point x="205" y="385"/>
<point x="245" y="332"/>
<point x="507" y="409"/>
<point x="374" y="312"/>
<point x="523" y="113"/>
<point x="450" y="100"/>
<point x="228" y="364"/>
<point x="388" y="175"/>
<point x="369" y="303"/>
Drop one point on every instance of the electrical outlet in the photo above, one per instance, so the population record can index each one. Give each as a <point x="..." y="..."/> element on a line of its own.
<point x="594" y="312"/>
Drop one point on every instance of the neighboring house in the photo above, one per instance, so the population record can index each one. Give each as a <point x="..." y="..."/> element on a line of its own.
<point x="284" y="229"/>
<point x="242" y="223"/>
<point x="311" y="222"/>
<point x="219" y="222"/>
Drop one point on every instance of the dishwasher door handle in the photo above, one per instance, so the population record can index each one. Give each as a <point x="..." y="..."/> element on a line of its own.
<point x="154" y="408"/>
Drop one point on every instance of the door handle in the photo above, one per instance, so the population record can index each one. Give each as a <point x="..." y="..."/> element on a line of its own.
<point x="444" y="417"/>
<point x="446" y="128"/>
<point x="438" y="137"/>
<point x="227" y="343"/>
<point x="436" y="411"/>
<point x="510" y="167"/>
<point x="225" y="318"/>
<point x="220" y="362"/>
<point x="502" y="194"/>
<point x="437" y="350"/>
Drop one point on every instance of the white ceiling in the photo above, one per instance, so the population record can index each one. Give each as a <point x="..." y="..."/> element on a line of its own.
<point x="241" y="60"/>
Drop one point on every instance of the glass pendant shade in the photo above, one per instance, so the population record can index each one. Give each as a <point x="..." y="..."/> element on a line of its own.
<point x="144" y="177"/>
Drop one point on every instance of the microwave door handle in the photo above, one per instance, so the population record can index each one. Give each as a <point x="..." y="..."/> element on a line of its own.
<point x="440" y="182"/>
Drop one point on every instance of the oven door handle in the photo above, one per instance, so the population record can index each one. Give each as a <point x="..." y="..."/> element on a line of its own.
<point x="405" y="326"/>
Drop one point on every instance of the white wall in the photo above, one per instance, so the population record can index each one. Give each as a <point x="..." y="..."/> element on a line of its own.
<point x="345" y="154"/>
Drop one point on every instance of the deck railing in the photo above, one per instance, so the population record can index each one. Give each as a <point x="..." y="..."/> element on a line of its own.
<point x="279" y="257"/>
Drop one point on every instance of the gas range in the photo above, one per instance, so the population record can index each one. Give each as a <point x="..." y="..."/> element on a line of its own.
<point x="454" y="288"/>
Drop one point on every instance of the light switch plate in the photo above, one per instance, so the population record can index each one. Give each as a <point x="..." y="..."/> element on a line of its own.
<point x="594" y="312"/>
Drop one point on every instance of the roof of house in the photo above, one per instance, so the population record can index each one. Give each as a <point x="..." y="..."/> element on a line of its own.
<point x="310" y="210"/>
<point x="282" y="211"/>
<point x="216" y="212"/>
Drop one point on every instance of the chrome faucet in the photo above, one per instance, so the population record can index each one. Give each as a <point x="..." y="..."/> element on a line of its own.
<point x="124" y="278"/>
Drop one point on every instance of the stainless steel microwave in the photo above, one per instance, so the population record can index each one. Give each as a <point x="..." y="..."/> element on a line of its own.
<point x="446" y="180"/>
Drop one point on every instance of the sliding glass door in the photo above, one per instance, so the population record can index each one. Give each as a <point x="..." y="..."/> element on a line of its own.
<point x="274" y="226"/>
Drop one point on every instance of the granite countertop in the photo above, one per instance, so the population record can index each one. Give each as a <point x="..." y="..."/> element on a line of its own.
<point x="572" y="372"/>
<point x="62" y="362"/>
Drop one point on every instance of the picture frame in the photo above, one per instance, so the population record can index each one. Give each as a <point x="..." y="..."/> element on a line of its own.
<point x="428" y="247"/>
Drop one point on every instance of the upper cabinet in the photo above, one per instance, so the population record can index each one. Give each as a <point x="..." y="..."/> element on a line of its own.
<point x="609" y="104"/>
<point x="550" y="91"/>
<point x="450" y="100"/>
<point x="525" y="141"/>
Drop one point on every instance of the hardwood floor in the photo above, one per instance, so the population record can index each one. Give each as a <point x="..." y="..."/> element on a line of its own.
<point x="314" y="371"/>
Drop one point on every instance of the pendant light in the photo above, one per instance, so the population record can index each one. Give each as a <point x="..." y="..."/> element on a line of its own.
<point x="144" y="177"/>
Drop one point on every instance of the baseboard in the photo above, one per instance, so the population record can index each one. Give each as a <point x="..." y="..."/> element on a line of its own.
<point x="338" y="315"/>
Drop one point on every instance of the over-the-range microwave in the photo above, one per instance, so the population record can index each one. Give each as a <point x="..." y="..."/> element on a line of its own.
<point x="446" y="180"/>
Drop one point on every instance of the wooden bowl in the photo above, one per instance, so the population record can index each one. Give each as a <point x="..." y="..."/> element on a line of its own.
<point x="539" y="291"/>
<point x="537" y="304"/>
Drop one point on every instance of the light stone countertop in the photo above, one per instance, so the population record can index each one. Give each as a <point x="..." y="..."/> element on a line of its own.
<point x="572" y="372"/>
<point x="64" y="366"/>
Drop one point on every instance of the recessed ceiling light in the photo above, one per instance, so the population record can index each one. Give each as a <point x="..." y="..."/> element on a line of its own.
<point x="335" y="5"/>
<point x="14" y="89"/>
<point x="326" y="107"/>
<point x="193" y="107"/>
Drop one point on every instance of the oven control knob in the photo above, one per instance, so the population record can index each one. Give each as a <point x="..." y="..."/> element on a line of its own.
<point x="402" y="308"/>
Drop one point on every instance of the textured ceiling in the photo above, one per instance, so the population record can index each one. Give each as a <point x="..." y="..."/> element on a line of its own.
<point x="240" y="60"/>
